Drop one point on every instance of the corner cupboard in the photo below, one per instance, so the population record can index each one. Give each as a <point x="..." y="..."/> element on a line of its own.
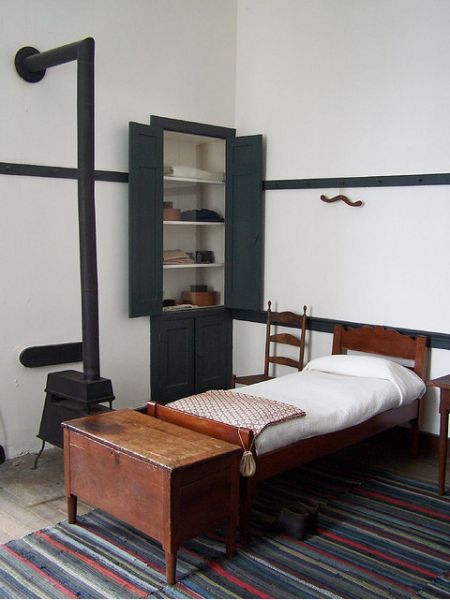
<point x="195" y="246"/>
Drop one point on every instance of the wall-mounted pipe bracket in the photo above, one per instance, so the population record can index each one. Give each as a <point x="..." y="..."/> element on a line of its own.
<point x="21" y="67"/>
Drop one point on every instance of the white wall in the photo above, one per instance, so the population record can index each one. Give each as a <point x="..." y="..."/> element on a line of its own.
<point x="165" y="57"/>
<point x="345" y="87"/>
<point x="350" y="88"/>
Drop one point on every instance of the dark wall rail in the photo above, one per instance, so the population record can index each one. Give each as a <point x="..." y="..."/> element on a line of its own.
<point x="435" y="339"/>
<point x="58" y="172"/>
<point x="352" y="182"/>
<point x="279" y="184"/>
<point x="40" y="356"/>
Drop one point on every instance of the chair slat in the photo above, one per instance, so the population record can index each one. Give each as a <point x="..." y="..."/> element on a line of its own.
<point x="286" y="338"/>
<point x="283" y="360"/>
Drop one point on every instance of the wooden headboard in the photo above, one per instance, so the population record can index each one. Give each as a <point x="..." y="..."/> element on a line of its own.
<point x="382" y="340"/>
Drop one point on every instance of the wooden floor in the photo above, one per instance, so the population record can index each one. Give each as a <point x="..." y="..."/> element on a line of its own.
<point x="31" y="499"/>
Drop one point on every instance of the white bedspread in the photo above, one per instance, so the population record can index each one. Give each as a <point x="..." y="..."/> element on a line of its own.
<point x="333" y="401"/>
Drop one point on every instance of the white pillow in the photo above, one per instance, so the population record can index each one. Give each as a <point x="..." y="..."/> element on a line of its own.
<point x="409" y="384"/>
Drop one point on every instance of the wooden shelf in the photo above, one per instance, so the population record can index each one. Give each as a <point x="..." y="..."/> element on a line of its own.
<point x="203" y="223"/>
<point x="177" y="181"/>
<point x="195" y="266"/>
<point x="189" y="307"/>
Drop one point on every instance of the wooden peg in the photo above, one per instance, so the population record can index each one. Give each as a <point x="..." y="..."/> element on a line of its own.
<point x="343" y="198"/>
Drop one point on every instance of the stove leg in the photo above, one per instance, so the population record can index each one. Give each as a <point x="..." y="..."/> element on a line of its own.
<point x="38" y="455"/>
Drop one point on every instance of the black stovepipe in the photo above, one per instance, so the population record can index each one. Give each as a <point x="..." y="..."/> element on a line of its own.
<point x="31" y="65"/>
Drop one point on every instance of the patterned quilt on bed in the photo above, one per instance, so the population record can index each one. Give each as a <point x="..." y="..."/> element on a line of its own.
<point x="240" y="410"/>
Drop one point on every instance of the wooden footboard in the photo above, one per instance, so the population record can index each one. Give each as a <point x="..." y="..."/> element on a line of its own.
<point x="240" y="436"/>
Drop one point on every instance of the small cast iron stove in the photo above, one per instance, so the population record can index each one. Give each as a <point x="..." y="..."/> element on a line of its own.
<point x="70" y="396"/>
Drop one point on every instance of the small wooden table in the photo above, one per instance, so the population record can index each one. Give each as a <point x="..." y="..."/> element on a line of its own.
<point x="169" y="482"/>
<point x="443" y="383"/>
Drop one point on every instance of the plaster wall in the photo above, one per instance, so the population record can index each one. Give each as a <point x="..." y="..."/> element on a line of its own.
<point x="350" y="88"/>
<point x="165" y="57"/>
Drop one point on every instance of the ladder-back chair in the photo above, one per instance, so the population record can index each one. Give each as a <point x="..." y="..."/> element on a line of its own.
<point x="273" y="339"/>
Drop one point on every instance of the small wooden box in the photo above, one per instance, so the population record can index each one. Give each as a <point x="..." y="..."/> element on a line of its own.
<point x="201" y="298"/>
<point x="171" y="214"/>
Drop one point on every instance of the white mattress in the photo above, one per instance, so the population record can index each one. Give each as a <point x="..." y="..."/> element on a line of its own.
<point x="334" y="400"/>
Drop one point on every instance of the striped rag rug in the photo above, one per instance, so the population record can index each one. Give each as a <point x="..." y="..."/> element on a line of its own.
<point x="380" y="535"/>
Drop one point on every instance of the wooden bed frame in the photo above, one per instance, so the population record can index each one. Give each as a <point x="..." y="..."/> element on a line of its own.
<point x="368" y="339"/>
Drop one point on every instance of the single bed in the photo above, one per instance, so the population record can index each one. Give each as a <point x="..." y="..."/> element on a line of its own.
<point x="346" y="399"/>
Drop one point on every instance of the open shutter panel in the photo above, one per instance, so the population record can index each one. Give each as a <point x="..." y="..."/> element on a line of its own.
<point x="243" y="283"/>
<point x="145" y="219"/>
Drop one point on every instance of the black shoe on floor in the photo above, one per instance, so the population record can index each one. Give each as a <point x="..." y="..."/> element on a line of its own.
<point x="312" y="508"/>
<point x="293" y="520"/>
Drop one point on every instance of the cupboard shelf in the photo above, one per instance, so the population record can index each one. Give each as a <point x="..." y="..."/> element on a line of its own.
<point x="177" y="181"/>
<point x="201" y="223"/>
<point x="195" y="266"/>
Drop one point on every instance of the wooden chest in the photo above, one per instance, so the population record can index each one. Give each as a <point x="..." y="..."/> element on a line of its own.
<point x="169" y="482"/>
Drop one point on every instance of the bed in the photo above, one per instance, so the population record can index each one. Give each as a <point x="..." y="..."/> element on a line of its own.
<point x="363" y="390"/>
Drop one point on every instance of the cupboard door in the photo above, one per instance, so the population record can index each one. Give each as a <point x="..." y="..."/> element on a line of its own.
<point x="213" y="352"/>
<point x="244" y="244"/>
<point x="145" y="219"/>
<point x="172" y="358"/>
<point x="190" y="354"/>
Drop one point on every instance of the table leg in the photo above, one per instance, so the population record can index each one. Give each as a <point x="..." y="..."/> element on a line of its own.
<point x="171" y="565"/>
<point x="443" y="441"/>
<point x="72" y="509"/>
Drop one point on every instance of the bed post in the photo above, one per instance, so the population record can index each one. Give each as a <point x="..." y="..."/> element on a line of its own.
<point x="421" y="357"/>
<point x="415" y="430"/>
<point x="150" y="408"/>
<point x="247" y="491"/>
<point x="415" y="436"/>
<point x="337" y="337"/>
<point x="420" y="368"/>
